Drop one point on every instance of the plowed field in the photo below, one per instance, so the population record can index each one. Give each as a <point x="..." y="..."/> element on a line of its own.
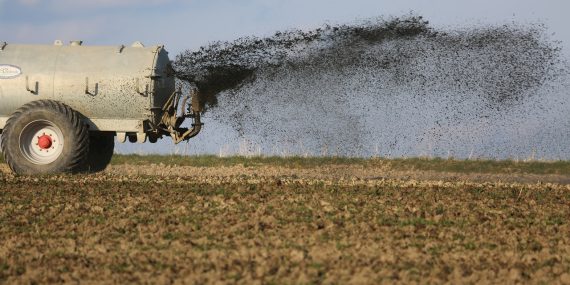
<point x="271" y="222"/>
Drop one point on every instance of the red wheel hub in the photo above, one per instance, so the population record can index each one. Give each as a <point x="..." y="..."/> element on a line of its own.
<point x="44" y="142"/>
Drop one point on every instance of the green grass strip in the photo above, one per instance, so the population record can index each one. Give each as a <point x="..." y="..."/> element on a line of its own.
<point x="408" y="164"/>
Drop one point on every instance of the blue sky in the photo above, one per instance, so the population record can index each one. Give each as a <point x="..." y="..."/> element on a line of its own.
<point x="190" y="24"/>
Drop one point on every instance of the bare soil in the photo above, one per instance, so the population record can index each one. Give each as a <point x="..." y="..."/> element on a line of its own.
<point x="328" y="224"/>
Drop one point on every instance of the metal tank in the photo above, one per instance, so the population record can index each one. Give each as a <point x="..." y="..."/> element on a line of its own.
<point x="127" y="91"/>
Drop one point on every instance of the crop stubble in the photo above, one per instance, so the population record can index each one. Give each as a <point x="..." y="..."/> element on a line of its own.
<point x="267" y="224"/>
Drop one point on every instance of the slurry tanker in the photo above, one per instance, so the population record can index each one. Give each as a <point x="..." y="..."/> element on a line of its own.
<point x="61" y="106"/>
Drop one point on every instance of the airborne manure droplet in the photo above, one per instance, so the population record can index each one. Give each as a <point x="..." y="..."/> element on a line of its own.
<point x="380" y="87"/>
<point x="223" y="66"/>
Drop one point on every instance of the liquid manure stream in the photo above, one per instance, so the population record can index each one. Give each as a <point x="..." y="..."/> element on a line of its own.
<point x="389" y="87"/>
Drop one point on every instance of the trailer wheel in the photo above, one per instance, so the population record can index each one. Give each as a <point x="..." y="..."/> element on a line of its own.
<point x="101" y="148"/>
<point x="44" y="137"/>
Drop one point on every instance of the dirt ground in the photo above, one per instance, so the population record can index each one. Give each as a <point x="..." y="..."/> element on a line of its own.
<point x="162" y="224"/>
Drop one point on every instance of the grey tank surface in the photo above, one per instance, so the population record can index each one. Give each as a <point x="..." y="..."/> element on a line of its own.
<point x="123" y="91"/>
<point x="115" y="87"/>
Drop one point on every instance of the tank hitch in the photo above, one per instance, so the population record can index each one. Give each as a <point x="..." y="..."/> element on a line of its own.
<point x="176" y="110"/>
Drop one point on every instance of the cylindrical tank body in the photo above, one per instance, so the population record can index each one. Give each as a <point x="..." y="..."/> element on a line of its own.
<point x="116" y="88"/>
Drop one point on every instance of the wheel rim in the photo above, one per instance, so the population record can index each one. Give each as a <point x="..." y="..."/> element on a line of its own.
<point x="41" y="142"/>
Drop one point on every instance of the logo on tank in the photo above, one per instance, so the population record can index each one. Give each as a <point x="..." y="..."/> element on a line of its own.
<point x="8" y="71"/>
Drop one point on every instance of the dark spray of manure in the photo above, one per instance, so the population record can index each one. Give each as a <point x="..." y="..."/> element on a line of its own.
<point x="394" y="87"/>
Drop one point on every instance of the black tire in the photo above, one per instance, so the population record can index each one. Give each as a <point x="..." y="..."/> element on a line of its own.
<point x="101" y="148"/>
<point x="20" y="146"/>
